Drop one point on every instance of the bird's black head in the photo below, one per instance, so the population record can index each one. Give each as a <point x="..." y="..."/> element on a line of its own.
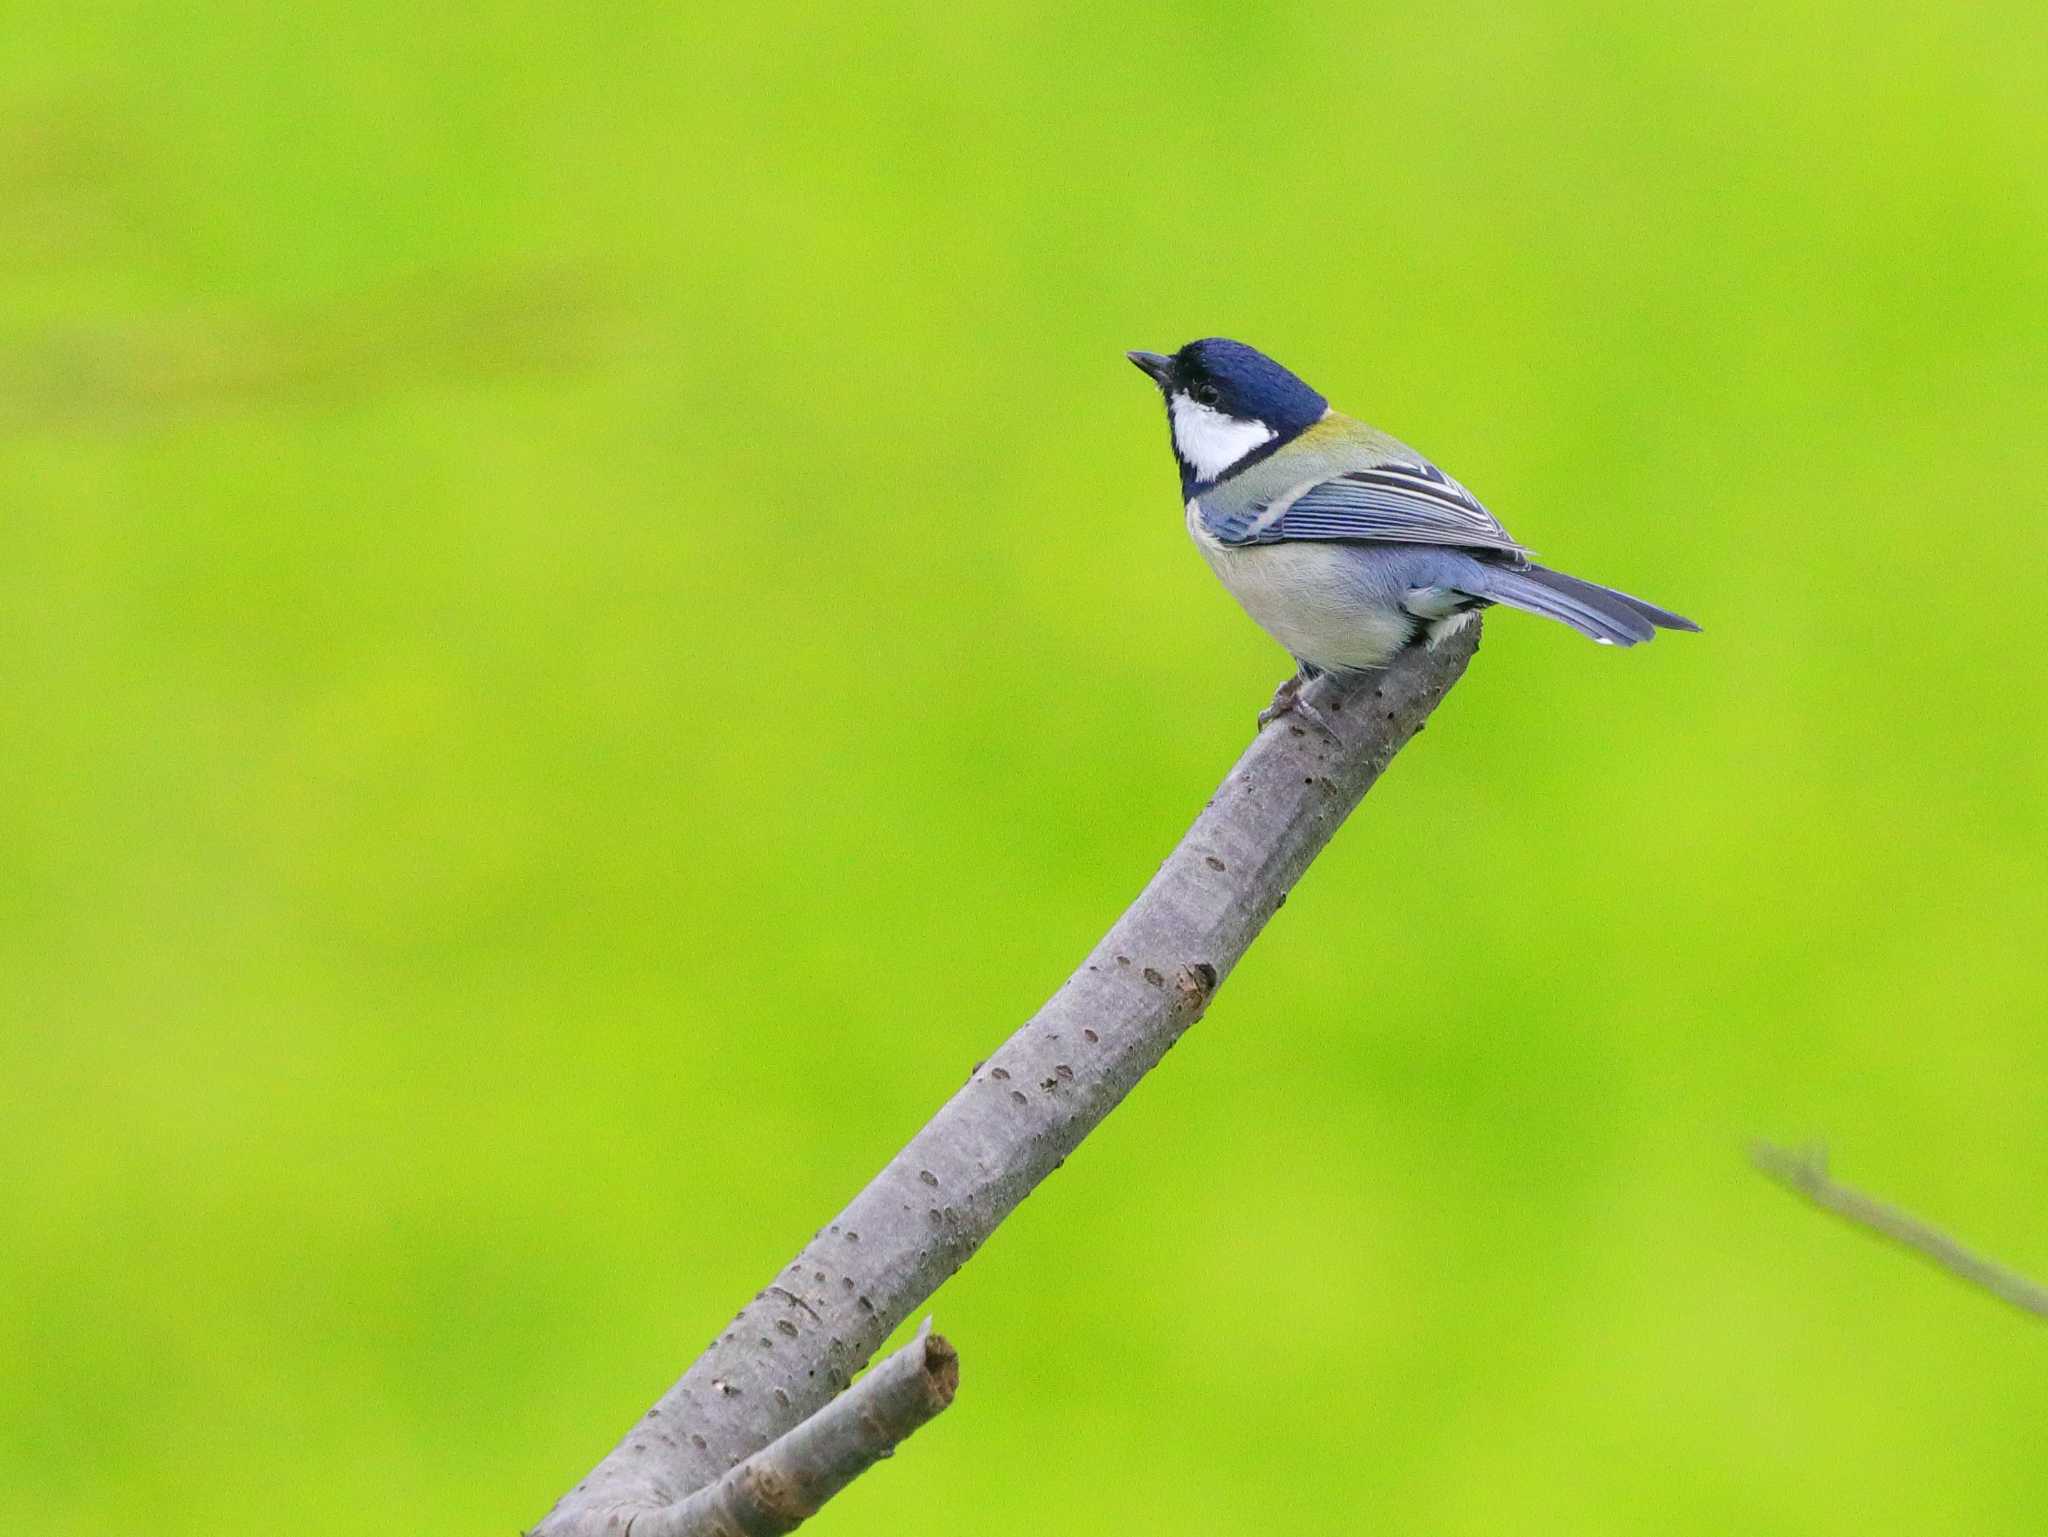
<point x="1229" y="405"/>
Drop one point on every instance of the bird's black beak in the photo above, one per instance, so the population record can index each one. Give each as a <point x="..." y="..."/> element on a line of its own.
<point x="1161" y="369"/>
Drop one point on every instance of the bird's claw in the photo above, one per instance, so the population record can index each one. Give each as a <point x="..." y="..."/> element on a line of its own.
<point x="1285" y="698"/>
<point x="1288" y="700"/>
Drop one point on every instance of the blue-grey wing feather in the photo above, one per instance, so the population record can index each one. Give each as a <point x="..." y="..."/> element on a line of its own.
<point x="1401" y="502"/>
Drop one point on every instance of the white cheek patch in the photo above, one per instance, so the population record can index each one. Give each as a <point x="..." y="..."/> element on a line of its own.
<point x="1209" y="440"/>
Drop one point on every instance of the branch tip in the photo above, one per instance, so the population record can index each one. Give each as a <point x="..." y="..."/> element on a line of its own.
<point x="1804" y="1171"/>
<point x="941" y="1365"/>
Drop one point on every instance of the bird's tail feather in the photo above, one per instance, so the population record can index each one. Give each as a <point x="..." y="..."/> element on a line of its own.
<point x="1614" y="618"/>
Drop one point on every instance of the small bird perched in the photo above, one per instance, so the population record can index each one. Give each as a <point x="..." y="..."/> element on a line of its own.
<point x="1344" y="544"/>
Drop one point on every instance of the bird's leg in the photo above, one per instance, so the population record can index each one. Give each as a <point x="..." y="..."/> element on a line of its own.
<point x="1287" y="699"/>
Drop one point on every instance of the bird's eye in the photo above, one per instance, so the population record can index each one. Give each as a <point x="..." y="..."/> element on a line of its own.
<point x="1207" y="394"/>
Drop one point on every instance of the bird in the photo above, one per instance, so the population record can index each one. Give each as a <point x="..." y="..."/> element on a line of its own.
<point x="1343" y="543"/>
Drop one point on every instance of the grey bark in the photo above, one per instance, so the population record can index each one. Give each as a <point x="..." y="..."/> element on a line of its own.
<point x="1805" y="1173"/>
<point x="1027" y="1107"/>
<point x="781" y="1486"/>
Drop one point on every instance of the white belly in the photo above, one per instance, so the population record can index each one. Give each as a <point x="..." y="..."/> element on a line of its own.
<point x="1315" y="599"/>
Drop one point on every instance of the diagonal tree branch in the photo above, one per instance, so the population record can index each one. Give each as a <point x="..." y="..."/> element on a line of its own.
<point x="782" y="1485"/>
<point x="1805" y="1172"/>
<point x="1021" y="1112"/>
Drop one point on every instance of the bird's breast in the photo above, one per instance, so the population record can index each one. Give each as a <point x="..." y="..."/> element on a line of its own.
<point x="1327" y="603"/>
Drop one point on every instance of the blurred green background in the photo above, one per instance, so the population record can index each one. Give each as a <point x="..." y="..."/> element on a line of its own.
<point x="592" y="613"/>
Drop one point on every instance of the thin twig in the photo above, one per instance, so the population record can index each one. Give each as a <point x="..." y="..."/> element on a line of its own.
<point x="781" y="1486"/>
<point x="1805" y="1172"/>
<point x="1023" y="1110"/>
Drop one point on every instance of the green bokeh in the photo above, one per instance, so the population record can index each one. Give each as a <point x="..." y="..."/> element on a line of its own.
<point x="591" y="613"/>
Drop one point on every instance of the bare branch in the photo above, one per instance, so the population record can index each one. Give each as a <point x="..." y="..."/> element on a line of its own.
<point x="780" y="1487"/>
<point x="1805" y="1172"/>
<point x="1027" y="1107"/>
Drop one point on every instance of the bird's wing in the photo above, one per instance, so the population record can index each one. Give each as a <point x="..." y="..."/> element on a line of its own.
<point x="1404" y="501"/>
